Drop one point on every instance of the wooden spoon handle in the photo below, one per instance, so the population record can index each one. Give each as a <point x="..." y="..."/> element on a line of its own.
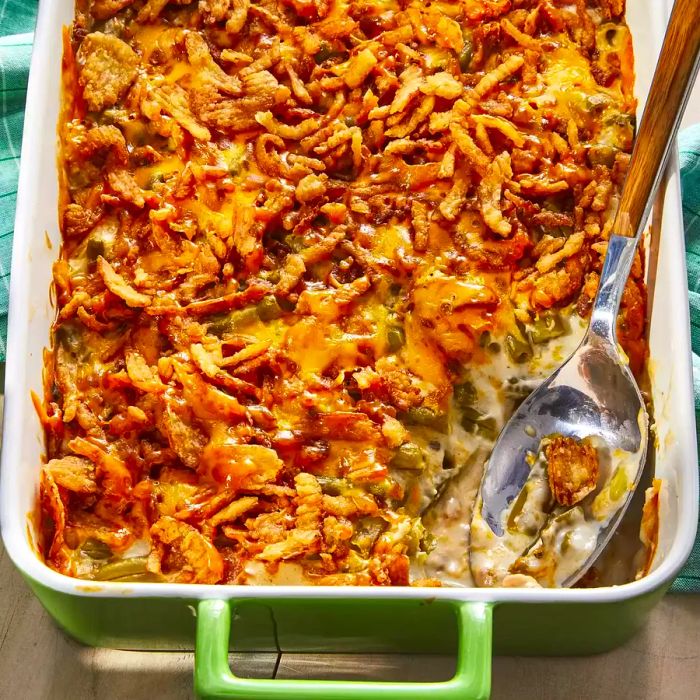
<point x="668" y="96"/>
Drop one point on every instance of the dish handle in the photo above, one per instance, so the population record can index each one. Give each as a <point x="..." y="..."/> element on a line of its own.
<point x="214" y="679"/>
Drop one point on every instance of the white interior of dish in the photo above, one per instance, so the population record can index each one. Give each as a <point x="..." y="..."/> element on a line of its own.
<point x="31" y="315"/>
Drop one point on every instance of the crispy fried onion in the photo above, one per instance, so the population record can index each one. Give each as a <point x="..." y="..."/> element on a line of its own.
<point x="206" y="401"/>
<point x="287" y="131"/>
<point x="73" y="473"/>
<point x="54" y="507"/>
<point x="305" y="538"/>
<point x="118" y="285"/>
<point x="112" y="473"/>
<point x="173" y="100"/>
<point x="502" y="72"/>
<point x="141" y="374"/>
<point x="240" y="466"/>
<point x="260" y="92"/>
<point x="189" y="557"/>
<point x="271" y="162"/>
<point x="490" y="190"/>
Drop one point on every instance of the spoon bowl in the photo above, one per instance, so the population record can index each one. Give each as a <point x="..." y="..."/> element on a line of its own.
<point x="572" y="402"/>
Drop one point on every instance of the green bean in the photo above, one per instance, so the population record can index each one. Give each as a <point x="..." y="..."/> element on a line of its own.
<point x="395" y="290"/>
<point x="287" y="304"/>
<point x="600" y="154"/>
<point x="296" y="243"/>
<point x="324" y="53"/>
<point x="333" y="485"/>
<point x="367" y="531"/>
<point x="381" y="489"/>
<point x="236" y="166"/>
<point x="145" y="577"/>
<point x="487" y="342"/>
<point x="155" y="179"/>
<point x="568" y="517"/>
<point x="272" y="276"/>
<point x="473" y="421"/>
<point x="121" y="568"/>
<point x="94" y="248"/>
<point x="414" y="538"/>
<point x="623" y="119"/>
<point x="396" y="338"/>
<point x="618" y="484"/>
<point x="466" y="54"/>
<point x="232" y="322"/>
<point x="70" y="338"/>
<point x="408" y="456"/>
<point x="596" y="103"/>
<point x="464" y="394"/>
<point x="548" y="326"/>
<point x="518" y="348"/>
<point x="428" y="542"/>
<point x="419" y="415"/>
<point x="517" y="390"/>
<point x="566" y="543"/>
<point x="217" y="324"/>
<point x="613" y="492"/>
<point x="268" y="308"/>
<point x="95" y="549"/>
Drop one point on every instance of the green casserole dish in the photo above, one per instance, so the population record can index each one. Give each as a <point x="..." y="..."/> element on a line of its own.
<point x="472" y="622"/>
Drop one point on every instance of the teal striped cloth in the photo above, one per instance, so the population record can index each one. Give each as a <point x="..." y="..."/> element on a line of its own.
<point x="689" y="153"/>
<point x="17" y="19"/>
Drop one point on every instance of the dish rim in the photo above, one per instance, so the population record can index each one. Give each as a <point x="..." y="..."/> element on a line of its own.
<point x="13" y="524"/>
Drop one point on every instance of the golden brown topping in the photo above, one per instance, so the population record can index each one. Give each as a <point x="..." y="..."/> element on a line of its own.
<point x="188" y="557"/>
<point x="288" y="228"/>
<point x="142" y="376"/>
<point x="490" y="191"/>
<point x="310" y="187"/>
<point x="572" y="469"/>
<point x="124" y="185"/>
<point x="118" y="285"/>
<point x="73" y="473"/>
<point x="173" y="100"/>
<point x="107" y="67"/>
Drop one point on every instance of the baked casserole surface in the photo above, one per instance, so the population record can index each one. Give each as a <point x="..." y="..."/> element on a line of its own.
<point x="314" y="252"/>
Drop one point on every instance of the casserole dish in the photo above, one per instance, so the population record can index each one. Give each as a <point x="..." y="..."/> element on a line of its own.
<point x="159" y="616"/>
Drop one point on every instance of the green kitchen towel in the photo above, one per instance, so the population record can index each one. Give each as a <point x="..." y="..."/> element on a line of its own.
<point x="17" y="18"/>
<point x="689" y="152"/>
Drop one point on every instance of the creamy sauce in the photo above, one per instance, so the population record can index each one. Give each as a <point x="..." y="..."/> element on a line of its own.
<point x="500" y="384"/>
<point x="547" y="541"/>
<point x="465" y="551"/>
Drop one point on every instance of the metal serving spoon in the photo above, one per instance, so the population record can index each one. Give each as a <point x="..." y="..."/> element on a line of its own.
<point x="594" y="393"/>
